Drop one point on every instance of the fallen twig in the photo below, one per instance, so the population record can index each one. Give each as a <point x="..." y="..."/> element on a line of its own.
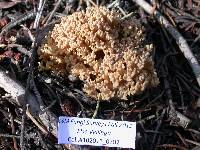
<point x="9" y="136"/>
<point x="182" y="43"/>
<point x="17" y="21"/>
<point x="20" y="48"/>
<point x="166" y="146"/>
<point x="181" y="138"/>
<point x="53" y="12"/>
<point x="96" y="110"/>
<point x="192" y="142"/>
<point x="17" y="91"/>
<point x="39" y="13"/>
<point x="159" y="122"/>
<point x="22" y="147"/>
<point x="13" y="131"/>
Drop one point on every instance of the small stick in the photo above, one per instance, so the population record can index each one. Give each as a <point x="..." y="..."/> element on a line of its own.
<point x="29" y="32"/>
<point x="22" y="147"/>
<point x="181" y="138"/>
<point x="17" y="21"/>
<point x="90" y="1"/>
<point x="9" y="136"/>
<point x="157" y="128"/>
<point x="11" y="86"/>
<point x="53" y="12"/>
<point x="182" y="43"/>
<point x="127" y="16"/>
<point x="192" y="142"/>
<point x="171" y="146"/>
<point x="96" y="110"/>
<point x="17" y="91"/>
<point x="113" y="4"/>
<point x="20" y="48"/>
<point x="13" y="130"/>
<point x="194" y="131"/>
<point x="44" y="131"/>
<point x="39" y="13"/>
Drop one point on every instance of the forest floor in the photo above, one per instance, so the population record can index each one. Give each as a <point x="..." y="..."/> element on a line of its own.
<point x="167" y="116"/>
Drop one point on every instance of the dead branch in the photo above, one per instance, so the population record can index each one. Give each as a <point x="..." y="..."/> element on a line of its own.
<point x="17" y="91"/>
<point x="182" y="43"/>
<point x="39" y="13"/>
<point x="17" y="21"/>
<point x="53" y="12"/>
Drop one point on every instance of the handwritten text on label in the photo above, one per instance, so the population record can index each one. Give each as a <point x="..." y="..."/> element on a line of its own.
<point x="96" y="132"/>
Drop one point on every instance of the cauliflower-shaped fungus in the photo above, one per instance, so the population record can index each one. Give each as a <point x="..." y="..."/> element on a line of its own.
<point x="107" y="53"/>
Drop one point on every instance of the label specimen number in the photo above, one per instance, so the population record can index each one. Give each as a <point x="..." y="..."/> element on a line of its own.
<point x="96" y="132"/>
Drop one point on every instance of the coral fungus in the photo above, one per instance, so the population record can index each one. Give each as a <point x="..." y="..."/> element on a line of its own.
<point x="108" y="54"/>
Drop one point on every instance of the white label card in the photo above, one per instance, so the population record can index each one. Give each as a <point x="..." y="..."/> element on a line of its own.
<point x="96" y="132"/>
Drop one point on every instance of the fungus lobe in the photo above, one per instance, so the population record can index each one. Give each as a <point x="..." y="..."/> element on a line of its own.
<point x="108" y="54"/>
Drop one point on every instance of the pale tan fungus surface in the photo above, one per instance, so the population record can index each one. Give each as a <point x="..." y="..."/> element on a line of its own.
<point x="108" y="54"/>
